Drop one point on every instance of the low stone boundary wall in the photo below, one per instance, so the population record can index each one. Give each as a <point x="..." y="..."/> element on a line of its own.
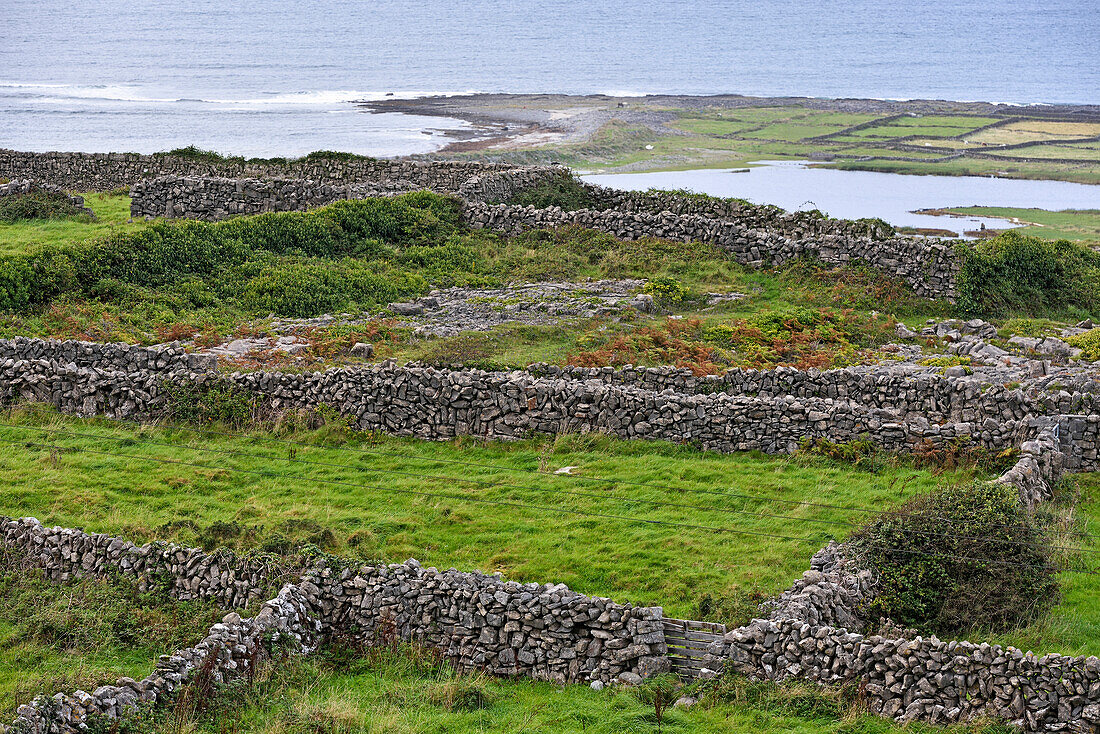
<point x="130" y="382"/>
<point x="105" y="356"/>
<point x="214" y="199"/>
<point x="439" y="404"/>
<point x="923" y="679"/>
<point x="106" y="171"/>
<point x="755" y="216"/>
<point x="910" y="390"/>
<point x="929" y="266"/>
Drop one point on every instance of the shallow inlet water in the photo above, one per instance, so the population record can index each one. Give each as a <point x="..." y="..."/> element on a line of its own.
<point x="798" y="185"/>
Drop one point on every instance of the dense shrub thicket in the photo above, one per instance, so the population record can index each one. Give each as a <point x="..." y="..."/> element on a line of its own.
<point x="289" y="263"/>
<point x="1020" y="275"/>
<point x="959" y="559"/>
<point x="38" y="205"/>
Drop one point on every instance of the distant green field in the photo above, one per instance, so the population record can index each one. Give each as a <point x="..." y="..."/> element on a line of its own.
<point x="1070" y="224"/>
<point x="721" y="137"/>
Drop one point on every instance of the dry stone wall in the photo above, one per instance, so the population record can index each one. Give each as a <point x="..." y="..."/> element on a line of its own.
<point x="929" y="266"/>
<point x="214" y="199"/>
<point x="107" y="171"/>
<point x="542" y="631"/>
<point x="908" y="389"/>
<point x="755" y="216"/>
<point x="130" y="382"/>
<point x="923" y="679"/>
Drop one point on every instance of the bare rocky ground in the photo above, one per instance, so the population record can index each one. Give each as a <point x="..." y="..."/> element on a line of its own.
<point x="449" y="312"/>
<point x="954" y="348"/>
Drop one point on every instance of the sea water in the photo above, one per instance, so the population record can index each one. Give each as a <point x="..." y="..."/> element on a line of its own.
<point x="279" y="77"/>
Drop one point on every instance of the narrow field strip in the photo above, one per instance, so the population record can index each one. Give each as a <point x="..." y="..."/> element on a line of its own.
<point x="650" y="563"/>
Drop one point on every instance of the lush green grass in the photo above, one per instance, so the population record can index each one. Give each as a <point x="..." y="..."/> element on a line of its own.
<point x="1068" y="224"/>
<point x="112" y="214"/>
<point x="366" y="504"/>
<point x="84" y="634"/>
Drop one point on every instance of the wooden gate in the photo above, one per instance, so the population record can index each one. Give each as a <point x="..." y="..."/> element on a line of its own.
<point x="687" y="642"/>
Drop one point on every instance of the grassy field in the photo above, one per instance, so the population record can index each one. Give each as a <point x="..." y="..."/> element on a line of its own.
<point x="179" y="483"/>
<point x="84" y="634"/>
<point x="388" y="499"/>
<point x="645" y="522"/>
<point x="720" y="137"/>
<point x="1071" y="224"/>
<point x="112" y="215"/>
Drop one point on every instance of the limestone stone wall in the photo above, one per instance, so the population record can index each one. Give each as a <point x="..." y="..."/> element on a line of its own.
<point x="755" y="216"/>
<point x="929" y="266"/>
<point x="439" y="404"/>
<point x="910" y="390"/>
<point x="106" y="171"/>
<point x="924" y="679"/>
<point x="214" y="199"/>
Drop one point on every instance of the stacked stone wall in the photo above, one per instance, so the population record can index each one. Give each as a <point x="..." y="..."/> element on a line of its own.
<point x="755" y="216"/>
<point x="215" y="199"/>
<point x="129" y="382"/>
<point x="107" y="171"/>
<point x="929" y="266"/>
<point x="923" y="679"/>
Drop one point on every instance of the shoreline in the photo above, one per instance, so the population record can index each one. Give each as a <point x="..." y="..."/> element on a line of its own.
<point x="609" y="134"/>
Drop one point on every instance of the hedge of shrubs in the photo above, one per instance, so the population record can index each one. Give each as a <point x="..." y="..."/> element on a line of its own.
<point x="1013" y="274"/>
<point x="288" y="263"/>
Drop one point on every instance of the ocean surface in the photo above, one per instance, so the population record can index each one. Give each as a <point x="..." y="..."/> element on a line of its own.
<point x="279" y="77"/>
<point x="795" y="186"/>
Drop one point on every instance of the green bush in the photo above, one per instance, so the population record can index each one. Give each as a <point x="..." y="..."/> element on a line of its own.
<point x="241" y="256"/>
<point x="38" y="205"/>
<point x="959" y="559"/>
<point x="1020" y="275"/>
<point x="562" y="191"/>
<point x="1088" y="343"/>
<point x="306" y="287"/>
<point x="667" y="292"/>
